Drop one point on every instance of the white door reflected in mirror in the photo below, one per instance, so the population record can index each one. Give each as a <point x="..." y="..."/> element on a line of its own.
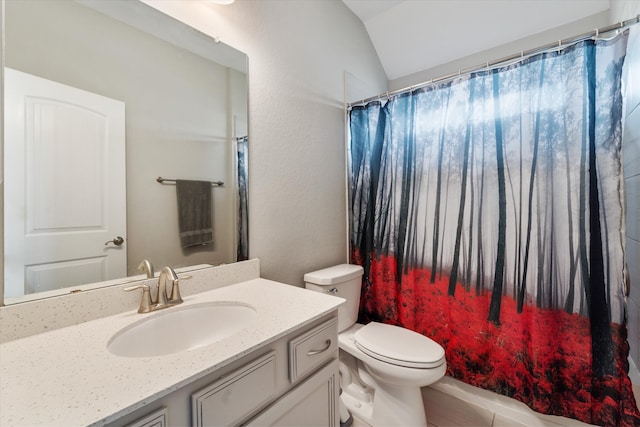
<point x="65" y="193"/>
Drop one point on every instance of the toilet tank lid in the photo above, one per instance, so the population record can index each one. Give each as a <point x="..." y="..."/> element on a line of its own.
<point x="334" y="275"/>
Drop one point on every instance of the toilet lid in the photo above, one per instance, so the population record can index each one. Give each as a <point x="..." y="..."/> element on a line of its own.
<point x="398" y="346"/>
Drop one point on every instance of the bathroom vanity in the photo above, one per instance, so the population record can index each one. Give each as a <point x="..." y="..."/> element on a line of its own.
<point x="278" y="369"/>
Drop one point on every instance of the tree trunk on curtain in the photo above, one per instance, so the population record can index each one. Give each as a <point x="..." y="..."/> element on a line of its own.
<point x="496" y="298"/>
<point x="405" y="192"/>
<point x="436" y="223"/>
<point x="463" y="194"/>
<point x="598" y="309"/>
<point x="536" y="142"/>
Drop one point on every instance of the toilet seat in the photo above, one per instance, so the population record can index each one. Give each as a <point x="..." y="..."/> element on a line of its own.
<point x="398" y="346"/>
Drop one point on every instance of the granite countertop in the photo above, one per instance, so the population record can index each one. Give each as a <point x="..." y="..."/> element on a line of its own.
<point x="67" y="377"/>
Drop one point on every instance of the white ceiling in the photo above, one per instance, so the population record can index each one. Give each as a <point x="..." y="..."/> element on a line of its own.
<point x="415" y="35"/>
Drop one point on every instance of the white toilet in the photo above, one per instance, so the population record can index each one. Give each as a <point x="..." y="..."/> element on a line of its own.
<point x="382" y="366"/>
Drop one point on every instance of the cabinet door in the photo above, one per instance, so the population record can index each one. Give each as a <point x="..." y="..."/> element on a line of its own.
<point x="154" y="419"/>
<point x="312" y="403"/>
<point x="235" y="396"/>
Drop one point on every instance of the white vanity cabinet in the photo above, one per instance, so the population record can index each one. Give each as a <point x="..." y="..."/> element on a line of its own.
<point x="291" y="382"/>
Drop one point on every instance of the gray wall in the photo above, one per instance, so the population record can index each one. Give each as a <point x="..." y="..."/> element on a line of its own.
<point x="512" y="47"/>
<point x="622" y="10"/>
<point x="298" y="52"/>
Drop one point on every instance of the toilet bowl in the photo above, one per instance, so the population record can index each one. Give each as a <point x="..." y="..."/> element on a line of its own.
<point x="394" y="398"/>
<point x="382" y="366"/>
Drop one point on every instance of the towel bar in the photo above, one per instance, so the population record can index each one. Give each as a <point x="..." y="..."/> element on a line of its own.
<point x="168" y="181"/>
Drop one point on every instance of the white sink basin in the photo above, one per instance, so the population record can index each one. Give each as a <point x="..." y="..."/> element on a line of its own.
<point x="181" y="328"/>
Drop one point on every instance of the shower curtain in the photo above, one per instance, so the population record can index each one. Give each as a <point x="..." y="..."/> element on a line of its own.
<point x="487" y="213"/>
<point x="242" y="146"/>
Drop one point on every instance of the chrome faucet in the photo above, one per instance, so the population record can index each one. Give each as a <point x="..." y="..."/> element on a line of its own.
<point x="146" y="267"/>
<point x="161" y="300"/>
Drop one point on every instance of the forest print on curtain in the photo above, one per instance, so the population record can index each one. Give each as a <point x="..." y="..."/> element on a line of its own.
<point x="487" y="213"/>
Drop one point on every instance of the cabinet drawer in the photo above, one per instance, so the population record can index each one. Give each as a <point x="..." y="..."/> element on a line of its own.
<point x="313" y="348"/>
<point x="229" y="400"/>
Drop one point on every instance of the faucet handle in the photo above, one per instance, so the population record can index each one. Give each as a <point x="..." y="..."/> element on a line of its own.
<point x="145" y="302"/>
<point x="175" y="297"/>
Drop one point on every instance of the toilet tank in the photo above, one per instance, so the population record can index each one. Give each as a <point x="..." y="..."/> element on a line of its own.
<point x="345" y="281"/>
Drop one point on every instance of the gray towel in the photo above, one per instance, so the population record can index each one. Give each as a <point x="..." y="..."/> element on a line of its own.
<point x="194" y="212"/>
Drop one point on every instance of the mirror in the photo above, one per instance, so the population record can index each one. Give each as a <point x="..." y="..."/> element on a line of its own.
<point x="101" y="99"/>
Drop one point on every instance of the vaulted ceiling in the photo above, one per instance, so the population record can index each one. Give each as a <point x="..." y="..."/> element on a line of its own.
<point x="415" y="35"/>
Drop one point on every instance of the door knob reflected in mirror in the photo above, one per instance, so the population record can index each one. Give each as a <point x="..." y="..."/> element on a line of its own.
<point x="117" y="241"/>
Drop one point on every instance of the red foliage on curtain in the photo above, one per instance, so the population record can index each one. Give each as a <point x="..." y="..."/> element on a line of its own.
<point x="541" y="357"/>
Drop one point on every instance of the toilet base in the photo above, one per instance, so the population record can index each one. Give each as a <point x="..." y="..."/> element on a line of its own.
<point x="379" y="406"/>
<point x="390" y="411"/>
<point x="360" y="410"/>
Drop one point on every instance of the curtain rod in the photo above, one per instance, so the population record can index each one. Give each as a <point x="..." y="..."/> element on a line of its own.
<point x="526" y="53"/>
